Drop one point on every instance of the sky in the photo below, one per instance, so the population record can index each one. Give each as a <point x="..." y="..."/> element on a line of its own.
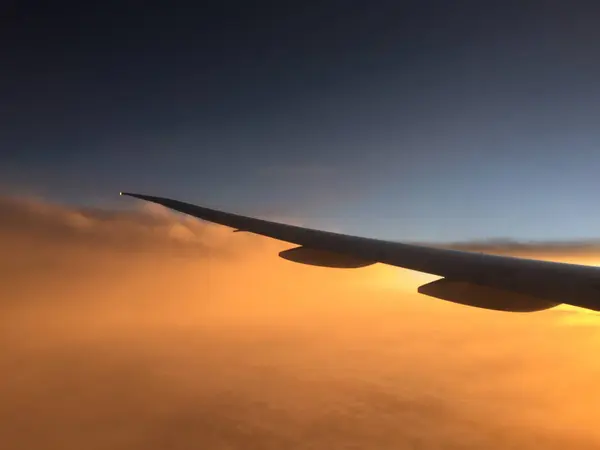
<point x="140" y="329"/>
<point x="417" y="121"/>
<point x="126" y="326"/>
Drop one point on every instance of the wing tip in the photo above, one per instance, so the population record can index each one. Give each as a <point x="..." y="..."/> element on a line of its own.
<point x="148" y="198"/>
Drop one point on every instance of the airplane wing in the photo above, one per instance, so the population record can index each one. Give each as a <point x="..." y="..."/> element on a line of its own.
<point x="487" y="281"/>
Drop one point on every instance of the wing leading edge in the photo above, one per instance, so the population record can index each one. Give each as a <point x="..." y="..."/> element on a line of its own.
<point x="476" y="279"/>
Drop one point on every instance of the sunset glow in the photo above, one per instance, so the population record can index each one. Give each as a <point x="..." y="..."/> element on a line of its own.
<point x="467" y="126"/>
<point x="115" y="317"/>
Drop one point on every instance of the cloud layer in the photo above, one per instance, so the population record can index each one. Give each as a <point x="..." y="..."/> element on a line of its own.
<point x="144" y="329"/>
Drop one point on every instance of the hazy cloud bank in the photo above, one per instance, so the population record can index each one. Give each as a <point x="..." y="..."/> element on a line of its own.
<point x="146" y="329"/>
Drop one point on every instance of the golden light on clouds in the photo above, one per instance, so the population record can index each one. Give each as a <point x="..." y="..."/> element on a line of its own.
<point x="147" y="330"/>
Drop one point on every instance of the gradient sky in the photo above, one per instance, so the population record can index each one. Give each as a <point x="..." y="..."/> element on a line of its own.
<point x="423" y="120"/>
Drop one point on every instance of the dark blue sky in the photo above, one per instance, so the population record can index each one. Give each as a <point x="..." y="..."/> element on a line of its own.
<point x="406" y="120"/>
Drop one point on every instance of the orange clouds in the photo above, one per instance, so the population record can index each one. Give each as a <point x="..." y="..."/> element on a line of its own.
<point x="146" y="329"/>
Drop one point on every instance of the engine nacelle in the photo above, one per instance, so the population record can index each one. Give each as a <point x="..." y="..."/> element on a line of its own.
<point x="323" y="258"/>
<point x="484" y="296"/>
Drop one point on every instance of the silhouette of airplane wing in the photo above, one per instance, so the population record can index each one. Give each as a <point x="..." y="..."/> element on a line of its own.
<point x="487" y="281"/>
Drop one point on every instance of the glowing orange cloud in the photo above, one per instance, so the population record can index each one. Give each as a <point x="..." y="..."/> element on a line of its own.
<point x="144" y="329"/>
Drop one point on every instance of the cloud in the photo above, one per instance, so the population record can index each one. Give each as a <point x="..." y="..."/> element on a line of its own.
<point x="145" y="329"/>
<point x="512" y="247"/>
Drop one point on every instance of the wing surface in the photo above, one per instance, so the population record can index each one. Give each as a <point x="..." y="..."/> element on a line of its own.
<point x="544" y="283"/>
